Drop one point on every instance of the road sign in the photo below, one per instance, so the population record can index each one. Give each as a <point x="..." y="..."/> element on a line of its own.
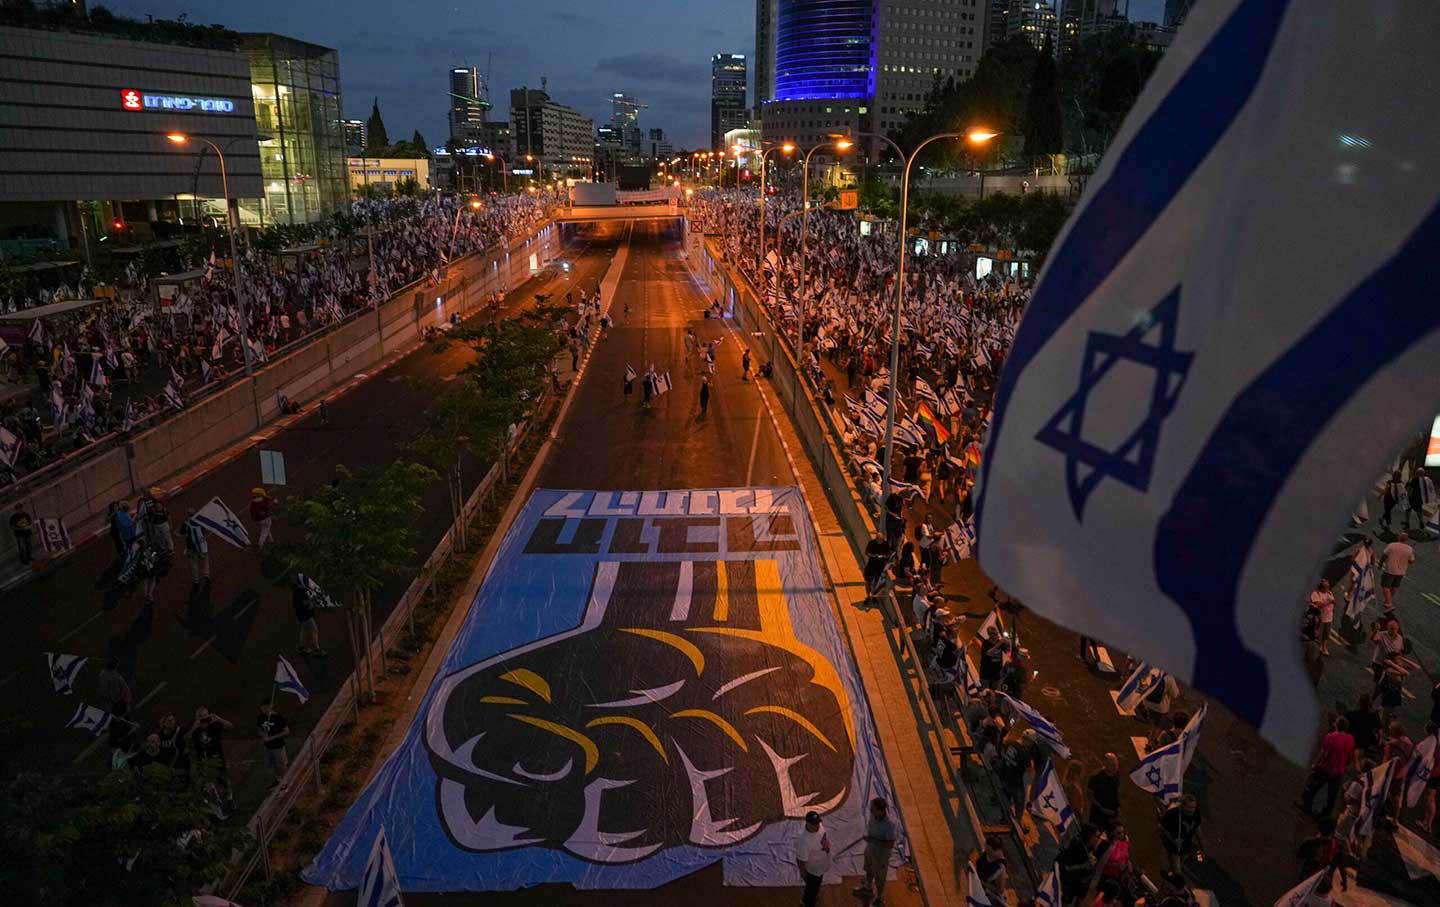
<point x="272" y="467"/>
<point x="849" y="199"/>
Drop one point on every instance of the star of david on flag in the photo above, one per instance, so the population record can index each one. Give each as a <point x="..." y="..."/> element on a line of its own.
<point x="1047" y="731"/>
<point x="1049" y="894"/>
<point x="380" y="887"/>
<point x="1196" y="365"/>
<point x="1049" y="801"/>
<point x="1420" y="769"/>
<point x="222" y="521"/>
<point x="1375" y="787"/>
<point x="63" y="670"/>
<point x="1162" y="772"/>
<point x="287" y="681"/>
<point x="1140" y="684"/>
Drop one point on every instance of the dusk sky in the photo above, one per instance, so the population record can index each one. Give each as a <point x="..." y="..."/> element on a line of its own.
<point x="659" y="52"/>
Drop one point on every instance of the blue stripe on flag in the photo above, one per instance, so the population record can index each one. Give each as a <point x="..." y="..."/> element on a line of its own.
<point x="1282" y="413"/>
<point x="1150" y="171"/>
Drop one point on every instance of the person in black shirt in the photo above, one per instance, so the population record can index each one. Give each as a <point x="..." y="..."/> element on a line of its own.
<point x="149" y="754"/>
<point x="21" y="525"/>
<point x="895" y="517"/>
<point x="207" y="737"/>
<point x="877" y="558"/>
<point x="172" y="745"/>
<point x="1180" y="831"/>
<point x="1364" y="724"/>
<point x="1104" y="790"/>
<point x="305" y="616"/>
<point x="1077" y="863"/>
<point x="273" y="729"/>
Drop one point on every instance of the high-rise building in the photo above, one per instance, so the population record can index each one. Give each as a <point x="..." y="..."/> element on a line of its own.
<point x="727" y="96"/>
<point x="1176" y="11"/>
<point x="549" y="137"/>
<point x="766" y="17"/>
<point x="848" y="66"/>
<point x="469" y="99"/>
<point x="355" y="131"/>
<point x="1081" y="19"/>
<point x="1033" y="20"/>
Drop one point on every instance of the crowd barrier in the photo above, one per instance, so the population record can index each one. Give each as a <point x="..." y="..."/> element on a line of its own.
<point x="79" y="491"/>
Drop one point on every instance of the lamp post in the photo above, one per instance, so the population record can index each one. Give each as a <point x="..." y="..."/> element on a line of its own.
<point x="841" y="145"/>
<point x="504" y="169"/>
<point x="976" y="136"/>
<point x="787" y="148"/>
<point x="475" y="205"/>
<point x="180" y="138"/>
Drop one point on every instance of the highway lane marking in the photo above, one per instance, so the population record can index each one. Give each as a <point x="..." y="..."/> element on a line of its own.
<point x="206" y="644"/>
<point x="85" y="753"/>
<point x="754" y="449"/>
<point x="87" y="622"/>
<point x="1432" y="598"/>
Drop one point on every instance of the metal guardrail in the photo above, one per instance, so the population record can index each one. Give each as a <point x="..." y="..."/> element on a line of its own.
<point x="305" y="768"/>
<point x="967" y="753"/>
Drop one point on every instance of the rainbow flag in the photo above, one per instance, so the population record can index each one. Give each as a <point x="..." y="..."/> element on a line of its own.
<point x="927" y="418"/>
<point x="972" y="455"/>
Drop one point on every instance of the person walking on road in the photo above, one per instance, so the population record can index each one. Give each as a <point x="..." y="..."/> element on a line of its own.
<point x="22" y="526"/>
<point x="1104" y="790"/>
<point x="1395" y="561"/>
<point x="1393" y="497"/>
<point x="880" y="836"/>
<point x="197" y="548"/>
<point x="114" y="689"/>
<point x="1180" y="831"/>
<point x="812" y="857"/>
<point x="305" y="617"/>
<point x="704" y="395"/>
<point x="745" y="365"/>
<point x="273" y="730"/>
<point x="647" y="387"/>
<point x="324" y="408"/>
<point x="261" y="511"/>
<point x="154" y="519"/>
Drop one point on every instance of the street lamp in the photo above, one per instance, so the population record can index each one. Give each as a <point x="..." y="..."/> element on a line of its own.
<point x="787" y="148"/>
<point x="475" y="205"/>
<point x="841" y="145"/>
<point x="504" y="169"/>
<point x="180" y="138"/>
<point x="975" y="136"/>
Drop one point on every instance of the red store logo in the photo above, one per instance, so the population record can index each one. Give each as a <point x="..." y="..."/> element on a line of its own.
<point x="130" y="99"/>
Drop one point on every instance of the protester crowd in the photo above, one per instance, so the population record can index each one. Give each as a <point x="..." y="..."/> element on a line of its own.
<point x="110" y="365"/>
<point x="955" y="331"/>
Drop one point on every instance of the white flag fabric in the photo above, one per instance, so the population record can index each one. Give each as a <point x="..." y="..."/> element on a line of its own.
<point x="9" y="446"/>
<point x="318" y="597"/>
<point x="380" y="887"/>
<point x="991" y="620"/>
<point x="287" y="681"/>
<point x="1297" y="896"/>
<point x="1049" y="893"/>
<point x="1162" y="772"/>
<point x="63" y="670"/>
<point x="222" y="521"/>
<point x="1362" y="590"/>
<point x="975" y="895"/>
<point x="662" y="383"/>
<point x="1421" y="858"/>
<point x="54" y="537"/>
<point x="955" y="543"/>
<point x="1420" y="769"/>
<point x="1047" y="731"/>
<point x="1375" y="787"/>
<point x="629" y="373"/>
<point x="89" y="718"/>
<point x="1176" y="506"/>
<point x="1141" y="683"/>
<point x="1049" y="801"/>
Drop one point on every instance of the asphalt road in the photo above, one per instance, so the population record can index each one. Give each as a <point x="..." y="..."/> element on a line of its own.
<point x="216" y="646"/>
<point x="608" y="442"/>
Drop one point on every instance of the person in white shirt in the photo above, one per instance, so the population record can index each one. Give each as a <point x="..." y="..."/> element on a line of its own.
<point x="1323" y="600"/>
<point x="812" y="857"/>
<point x="1395" y="560"/>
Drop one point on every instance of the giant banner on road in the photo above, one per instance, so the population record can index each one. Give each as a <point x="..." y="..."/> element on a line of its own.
<point x="647" y="682"/>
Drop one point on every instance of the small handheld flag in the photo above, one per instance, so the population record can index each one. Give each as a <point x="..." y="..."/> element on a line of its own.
<point x="63" y="670"/>
<point x="287" y="681"/>
<point x="1420" y="769"/>
<point x="318" y="597"/>
<point x="1049" y="801"/>
<point x="1141" y="682"/>
<point x="629" y="373"/>
<point x="1300" y="894"/>
<point x="89" y="718"/>
<point x="222" y="521"/>
<point x="1375" y="787"/>
<point x="1162" y="772"/>
<point x="1047" y="731"/>
<point x="380" y="887"/>
<point x="662" y="383"/>
<point x="1049" y="893"/>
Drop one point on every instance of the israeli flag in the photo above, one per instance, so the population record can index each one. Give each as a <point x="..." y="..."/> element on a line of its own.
<point x="287" y="681"/>
<point x="9" y="446"/>
<point x="172" y="396"/>
<point x="1375" y="787"/>
<point x="1420" y="769"/>
<point x="954" y="543"/>
<point x="1242" y="390"/>
<point x="662" y="383"/>
<point x="1049" y="801"/>
<point x="1362" y="590"/>
<point x="89" y="718"/>
<point x="1047" y="731"/>
<point x="868" y="464"/>
<point x="1162" y="773"/>
<point x="992" y="620"/>
<point x="1300" y="894"/>
<point x="222" y="521"/>
<point x="1421" y="858"/>
<point x="975" y="894"/>
<point x="379" y="887"/>
<point x="63" y="670"/>
<point x="925" y="392"/>
<point x="318" y="597"/>
<point x="1049" y="893"/>
<point x="1140" y="685"/>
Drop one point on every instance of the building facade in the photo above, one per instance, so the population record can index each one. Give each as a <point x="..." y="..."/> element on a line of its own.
<point x="355" y="135"/>
<point x="848" y="66"/>
<point x="727" y="96"/>
<point x="386" y="173"/>
<point x="469" y="99"/>
<point x="1176" y="11"/>
<point x="296" y="90"/>
<point x="560" y="139"/>
<point x="767" y="14"/>
<point x="83" y="120"/>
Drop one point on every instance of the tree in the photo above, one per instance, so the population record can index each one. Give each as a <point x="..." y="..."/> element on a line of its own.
<point x="1044" y="133"/>
<point x="67" y="841"/>
<point x="375" y="137"/>
<point x="356" y="533"/>
<point x="418" y="141"/>
<point x="1102" y="79"/>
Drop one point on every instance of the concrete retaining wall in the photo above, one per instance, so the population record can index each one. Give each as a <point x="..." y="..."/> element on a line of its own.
<point x="81" y="494"/>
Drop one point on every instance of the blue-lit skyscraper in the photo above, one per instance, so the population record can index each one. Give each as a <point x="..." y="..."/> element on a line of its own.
<point x="823" y="50"/>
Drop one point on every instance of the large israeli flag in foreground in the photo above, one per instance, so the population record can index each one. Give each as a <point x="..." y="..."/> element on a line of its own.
<point x="1235" y="331"/>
